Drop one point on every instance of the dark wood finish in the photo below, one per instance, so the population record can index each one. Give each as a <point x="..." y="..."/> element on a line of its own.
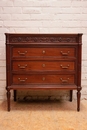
<point x="43" y="79"/>
<point x="71" y="94"/>
<point x="78" y="100"/>
<point x="8" y="98"/>
<point x="61" y="51"/>
<point x="43" y="65"/>
<point x="43" y="61"/>
<point x="15" y="93"/>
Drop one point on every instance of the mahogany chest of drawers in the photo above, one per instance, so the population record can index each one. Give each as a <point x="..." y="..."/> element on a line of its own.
<point x="43" y="61"/>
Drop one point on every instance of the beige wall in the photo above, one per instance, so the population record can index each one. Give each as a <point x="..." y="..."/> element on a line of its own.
<point x="43" y="16"/>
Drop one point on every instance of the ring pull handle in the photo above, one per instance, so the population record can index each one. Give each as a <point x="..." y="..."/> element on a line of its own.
<point x="22" y="80"/>
<point x="22" y="67"/>
<point x="64" y="81"/>
<point x="64" y="67"/>
<point x="22" y="53"/>
<point x="65" y="54"/>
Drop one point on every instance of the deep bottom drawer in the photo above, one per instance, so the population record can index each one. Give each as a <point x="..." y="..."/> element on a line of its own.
<point x="43" y="79"/>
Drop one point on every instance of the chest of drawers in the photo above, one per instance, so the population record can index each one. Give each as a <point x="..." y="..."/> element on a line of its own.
<point x="43" y="61"/>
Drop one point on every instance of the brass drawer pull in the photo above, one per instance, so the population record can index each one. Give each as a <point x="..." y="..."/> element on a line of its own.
<point x="65" y="54"/>
<point x="22" y="53"/>
<point x="43" y="65"/>
<point x="64" y="81"/>
<point x="44" y="52"/>
<point x="22" y="80"/>
<point x="43" y="78"/>
<point x="64" y="67"/>
<point x="22" y="67"/>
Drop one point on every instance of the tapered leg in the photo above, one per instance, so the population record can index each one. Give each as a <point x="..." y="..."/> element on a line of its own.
<point x="78" y="100"/>
<point x="71" y="95"/>
<point x="15" y="94"/>
<point x="8" y="99"/>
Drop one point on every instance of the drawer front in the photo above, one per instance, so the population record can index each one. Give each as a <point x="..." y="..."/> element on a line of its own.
<point x="26" y="52"/>
<point x="43" y="65"/>
<point x="44" y="79"/>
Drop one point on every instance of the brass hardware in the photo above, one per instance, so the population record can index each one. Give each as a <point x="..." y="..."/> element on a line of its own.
<point x="43" y="78"/>
<point x="22" y="53"/>
<point x="44" y="52"/>
<point x="22" y="80"/>
<point x="65" y="54"/>
<point x="64" y="67"/>
<point x="22" y="67"/>
<point x="64" y="81"/>
<point x="43" y="65"/>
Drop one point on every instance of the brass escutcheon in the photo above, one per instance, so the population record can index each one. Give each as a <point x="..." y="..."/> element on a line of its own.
<point x="43" y="51"/>
<point x="43" y="65"/>
<point x="43" y="78"/>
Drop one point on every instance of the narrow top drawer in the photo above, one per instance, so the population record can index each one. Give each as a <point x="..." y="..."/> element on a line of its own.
<point x="30" y="52"/>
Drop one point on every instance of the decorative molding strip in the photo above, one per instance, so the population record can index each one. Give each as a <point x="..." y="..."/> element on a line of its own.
<point x="42" y="39"/>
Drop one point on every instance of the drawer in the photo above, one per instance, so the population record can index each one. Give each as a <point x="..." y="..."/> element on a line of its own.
<point x="35" y="52"/>
<point x="44" y="79"/>
<point x="43" y="65"/>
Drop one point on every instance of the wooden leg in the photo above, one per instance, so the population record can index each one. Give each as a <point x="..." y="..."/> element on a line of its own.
<point x="78" y="100"/>
<point x="15" y="94"/>
<point x="8" y="99"/>
<point x="71" y="95"/>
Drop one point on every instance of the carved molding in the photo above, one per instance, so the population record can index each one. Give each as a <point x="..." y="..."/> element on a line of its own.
<point x="42" y="39"/>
